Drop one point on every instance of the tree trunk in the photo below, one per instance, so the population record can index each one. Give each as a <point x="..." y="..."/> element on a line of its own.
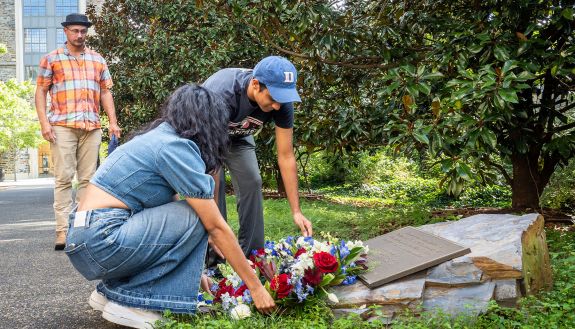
<point x="526" y="187"/>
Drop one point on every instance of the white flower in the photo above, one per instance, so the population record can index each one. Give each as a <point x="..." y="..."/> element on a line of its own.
<point x="228" y="301"/>
<point x="235" y="280"/>
<point x="332" y="298"/>
<point x="301" y="243"/>
<point x="353" y="244"/>
<point x="241" y="311"/>
<point x="304" y="261"/>
<point x="318" y="247"/>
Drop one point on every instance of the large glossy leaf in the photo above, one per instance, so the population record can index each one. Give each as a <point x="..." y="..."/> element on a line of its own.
<point x="508" y="95"/>
<point x="501" y="53"/>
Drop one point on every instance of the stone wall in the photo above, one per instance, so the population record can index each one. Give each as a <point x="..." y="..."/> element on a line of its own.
<point x="25" y="161"/>
<point x="8" y="38"/>
<point x="7" y="165"/>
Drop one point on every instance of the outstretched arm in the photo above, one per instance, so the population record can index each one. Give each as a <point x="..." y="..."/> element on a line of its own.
<point x="288" y="169"/>
<point x="224" y="238"/>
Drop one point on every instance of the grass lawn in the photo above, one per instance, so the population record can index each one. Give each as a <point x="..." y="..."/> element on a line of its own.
<point x="554" y="309"/>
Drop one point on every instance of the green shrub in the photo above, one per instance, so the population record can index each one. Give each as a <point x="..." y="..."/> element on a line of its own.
<point x="560" y="193"/>
<point x="484" y="196"/>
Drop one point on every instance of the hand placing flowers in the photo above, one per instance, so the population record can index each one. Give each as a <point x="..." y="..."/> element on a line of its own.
<point x="294" y="269"/>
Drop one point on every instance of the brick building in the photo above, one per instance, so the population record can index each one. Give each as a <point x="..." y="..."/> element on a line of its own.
<point x="30" y="29"/>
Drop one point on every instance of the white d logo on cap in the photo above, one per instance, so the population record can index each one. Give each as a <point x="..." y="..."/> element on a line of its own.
<point x="289" y="77"/>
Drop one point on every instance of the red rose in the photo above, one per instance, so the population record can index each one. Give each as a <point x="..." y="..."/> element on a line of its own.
<point x="280" y="284"/>
<point x="312" y="277"/>
<point x="240" y="291"/>
<point x="325" y="262"/>
<point x="299" y="252"/>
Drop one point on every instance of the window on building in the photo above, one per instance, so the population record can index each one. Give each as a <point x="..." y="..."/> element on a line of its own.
<point x="35" y="40"/>
<point x="65" y="7"/>
<point x="30" y="72"/>
<point x="60" y="37"/>
<point x="34" y="7"/>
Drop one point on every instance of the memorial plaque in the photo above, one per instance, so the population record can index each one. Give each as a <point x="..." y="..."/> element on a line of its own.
<point x="406" y="251"/>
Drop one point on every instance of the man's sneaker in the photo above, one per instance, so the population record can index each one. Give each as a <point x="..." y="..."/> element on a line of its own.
<point x="60" y="242"/>
<point x="130" y="316"/>
<point x="97" y="301"/>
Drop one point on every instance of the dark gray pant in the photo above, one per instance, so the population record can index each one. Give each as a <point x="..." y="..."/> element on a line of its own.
<point x="247" y="182"/>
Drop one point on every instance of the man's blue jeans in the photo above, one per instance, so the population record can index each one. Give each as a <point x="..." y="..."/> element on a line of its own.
<point x="152" y="259"/>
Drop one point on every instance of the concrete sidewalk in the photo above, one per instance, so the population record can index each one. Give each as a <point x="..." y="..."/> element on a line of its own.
<point x="39" y="288"/>
<point x="27" y="182"/>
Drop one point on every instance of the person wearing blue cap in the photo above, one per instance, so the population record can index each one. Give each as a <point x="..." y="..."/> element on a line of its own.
<point x="254" y="97"/>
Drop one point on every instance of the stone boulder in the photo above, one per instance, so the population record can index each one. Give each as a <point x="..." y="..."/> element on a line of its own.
<point x="508" y="259"/>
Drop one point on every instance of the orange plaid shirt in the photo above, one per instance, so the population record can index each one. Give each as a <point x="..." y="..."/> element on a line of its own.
<point x="75" y="86"/>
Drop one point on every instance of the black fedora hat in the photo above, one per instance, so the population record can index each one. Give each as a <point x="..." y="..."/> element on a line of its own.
<point x="77" y="19"/>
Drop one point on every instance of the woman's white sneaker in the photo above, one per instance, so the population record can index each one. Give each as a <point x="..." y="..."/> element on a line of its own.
<point x="97" y="301"/>
<point x="130" y="316"/>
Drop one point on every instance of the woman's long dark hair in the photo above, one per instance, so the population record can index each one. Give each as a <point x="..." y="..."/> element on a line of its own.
<point x="201" y="116"/>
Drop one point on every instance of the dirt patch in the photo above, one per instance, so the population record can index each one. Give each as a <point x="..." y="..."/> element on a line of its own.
<point x="307" y="196"/>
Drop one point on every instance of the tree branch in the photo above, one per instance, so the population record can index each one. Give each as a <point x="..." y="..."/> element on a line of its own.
<point x="563" y="128"/>
<point x="500" y="168"/>
<point x="549" y="163"/>
<point x="347" y="63"/>
<point x="566" y="108"/>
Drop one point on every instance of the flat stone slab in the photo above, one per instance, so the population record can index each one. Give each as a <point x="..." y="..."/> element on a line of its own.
<point x="405" y="251"/>
<point x="503" y="247"/>
<point x="458" y="272"/>
<point x="470" y="300"/>
<point x="509" y="259"/>
<point x="406" y="292"/>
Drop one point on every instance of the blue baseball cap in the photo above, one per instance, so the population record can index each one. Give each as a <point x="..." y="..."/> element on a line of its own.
<point x="280" y="77"/>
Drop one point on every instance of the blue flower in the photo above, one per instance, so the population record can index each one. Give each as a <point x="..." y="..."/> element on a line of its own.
<point x="332" y="250"/>
<point x="350" y="280"/>
<point x="343" y="250"/>
<point x="200" y="297"/>
<point x="310" y="289"/>
<point x="247" y="297"/>
<point x="309" y="240"/>
<point x="289" y="240"/>
<point x="269" y="245"/>
<point x="211" y="272"/>
<point x="300" y="291"/>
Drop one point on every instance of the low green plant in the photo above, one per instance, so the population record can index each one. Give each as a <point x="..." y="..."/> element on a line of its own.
<point x="382" y="179"/>
<point x="560" y="193"/>
<point x="479" y="195"/>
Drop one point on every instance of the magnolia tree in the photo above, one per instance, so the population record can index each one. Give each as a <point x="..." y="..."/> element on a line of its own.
<point x="19" y="126"/>
<point x="485" y="87"/>
<point x="153" y="47"/>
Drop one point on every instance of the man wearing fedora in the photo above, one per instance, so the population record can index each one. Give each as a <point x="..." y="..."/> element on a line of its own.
<point x="78" y="81"/>
<point x="254" y="97"/>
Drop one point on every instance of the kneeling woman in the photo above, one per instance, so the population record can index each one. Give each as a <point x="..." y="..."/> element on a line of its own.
<point x="128" y="231"/>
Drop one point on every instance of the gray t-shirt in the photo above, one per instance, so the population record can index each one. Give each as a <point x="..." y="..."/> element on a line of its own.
<point x="246" y="117"/>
